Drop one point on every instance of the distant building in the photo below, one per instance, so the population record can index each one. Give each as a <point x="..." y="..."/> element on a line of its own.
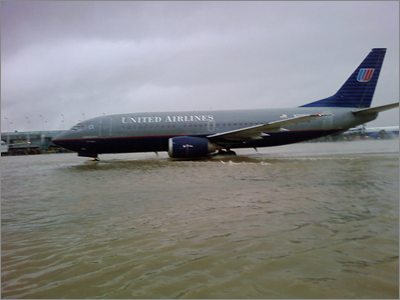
<point x="4" y="147"/>
<point x="29" y="142"/>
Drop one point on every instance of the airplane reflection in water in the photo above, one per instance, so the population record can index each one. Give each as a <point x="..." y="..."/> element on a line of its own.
<point x="199" y="134"/>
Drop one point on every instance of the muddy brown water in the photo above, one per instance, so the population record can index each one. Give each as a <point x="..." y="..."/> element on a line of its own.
<point x="316" y="220"/>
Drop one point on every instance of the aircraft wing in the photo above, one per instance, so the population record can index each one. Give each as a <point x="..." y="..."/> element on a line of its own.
<point x="259" y="131"/>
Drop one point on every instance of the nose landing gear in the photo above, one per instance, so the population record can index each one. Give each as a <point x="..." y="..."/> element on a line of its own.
<point x="93" y="155"/>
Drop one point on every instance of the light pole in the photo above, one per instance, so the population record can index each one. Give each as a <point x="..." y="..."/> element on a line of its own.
<point x="84" y="118"/>
<point x="27" y="135"/>
<point x="62" y="121"/>
<point x="42" y="122"/>
<point x="8" y="124"/>
<point x="8" y="135"/>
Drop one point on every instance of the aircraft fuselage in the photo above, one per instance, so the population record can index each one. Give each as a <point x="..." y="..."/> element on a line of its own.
<point x="145" y="132"/>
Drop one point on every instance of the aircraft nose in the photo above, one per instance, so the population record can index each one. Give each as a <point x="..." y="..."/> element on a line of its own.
<point x="59" y="138"/>
<point x="63" y="140"/>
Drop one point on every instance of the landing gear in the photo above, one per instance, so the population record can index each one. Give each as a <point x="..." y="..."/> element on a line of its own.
<point x="93" y="155"/>
<point x="226" y="153"/>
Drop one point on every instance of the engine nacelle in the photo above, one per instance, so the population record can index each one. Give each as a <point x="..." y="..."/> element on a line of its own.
<point x="190" y="147"/>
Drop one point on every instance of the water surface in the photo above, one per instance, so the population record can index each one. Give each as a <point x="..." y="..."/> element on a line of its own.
<point x="316" y="220"/>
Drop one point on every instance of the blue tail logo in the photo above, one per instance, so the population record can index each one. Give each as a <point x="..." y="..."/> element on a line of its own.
<point x="365" y="75"/>
<point x="359" y="88"/>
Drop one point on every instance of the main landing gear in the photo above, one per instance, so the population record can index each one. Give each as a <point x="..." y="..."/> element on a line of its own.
<point x="227" y="152"/>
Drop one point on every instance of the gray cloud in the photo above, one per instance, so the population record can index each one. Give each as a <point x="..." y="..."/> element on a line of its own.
<point x="83" y="59"/>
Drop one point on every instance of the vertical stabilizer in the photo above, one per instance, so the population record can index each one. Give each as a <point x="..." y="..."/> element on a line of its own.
<point x="359" y="89"/>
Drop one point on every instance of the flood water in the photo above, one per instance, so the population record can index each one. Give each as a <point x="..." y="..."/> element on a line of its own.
<point x="317" y="220"/>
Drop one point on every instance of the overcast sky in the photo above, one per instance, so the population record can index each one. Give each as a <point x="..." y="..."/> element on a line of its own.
<point x="85" y="59"/>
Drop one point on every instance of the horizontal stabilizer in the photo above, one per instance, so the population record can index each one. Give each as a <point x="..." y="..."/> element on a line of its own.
<point x="373" y="110"/>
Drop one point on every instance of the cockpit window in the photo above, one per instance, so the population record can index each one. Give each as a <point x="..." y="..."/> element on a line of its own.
<point x="78" y="127"/>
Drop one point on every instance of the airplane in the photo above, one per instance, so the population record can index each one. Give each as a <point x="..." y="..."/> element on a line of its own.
<point x="381" y="132"/>
<point x="191" y="135"/>
<point x="375" y="132"/>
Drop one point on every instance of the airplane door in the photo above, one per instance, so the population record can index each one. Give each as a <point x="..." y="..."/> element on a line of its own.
<point x="327" y="120"/>
<point x="210" y="125"/>
<point x="105" y="127"/>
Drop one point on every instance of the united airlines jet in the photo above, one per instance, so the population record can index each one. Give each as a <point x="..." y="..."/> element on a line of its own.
<point x="202" y="133"/>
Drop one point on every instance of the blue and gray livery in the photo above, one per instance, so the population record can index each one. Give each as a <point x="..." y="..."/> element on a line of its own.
<point x="199" y="134"/>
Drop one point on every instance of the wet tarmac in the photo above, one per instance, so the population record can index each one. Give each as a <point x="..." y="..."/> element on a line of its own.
<point x="313" y="220"/>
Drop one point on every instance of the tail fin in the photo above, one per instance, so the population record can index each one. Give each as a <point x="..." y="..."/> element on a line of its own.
<point x="359" y="89"/>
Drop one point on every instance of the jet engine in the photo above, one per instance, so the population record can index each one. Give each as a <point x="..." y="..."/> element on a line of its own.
<point x="190" y="147"/>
